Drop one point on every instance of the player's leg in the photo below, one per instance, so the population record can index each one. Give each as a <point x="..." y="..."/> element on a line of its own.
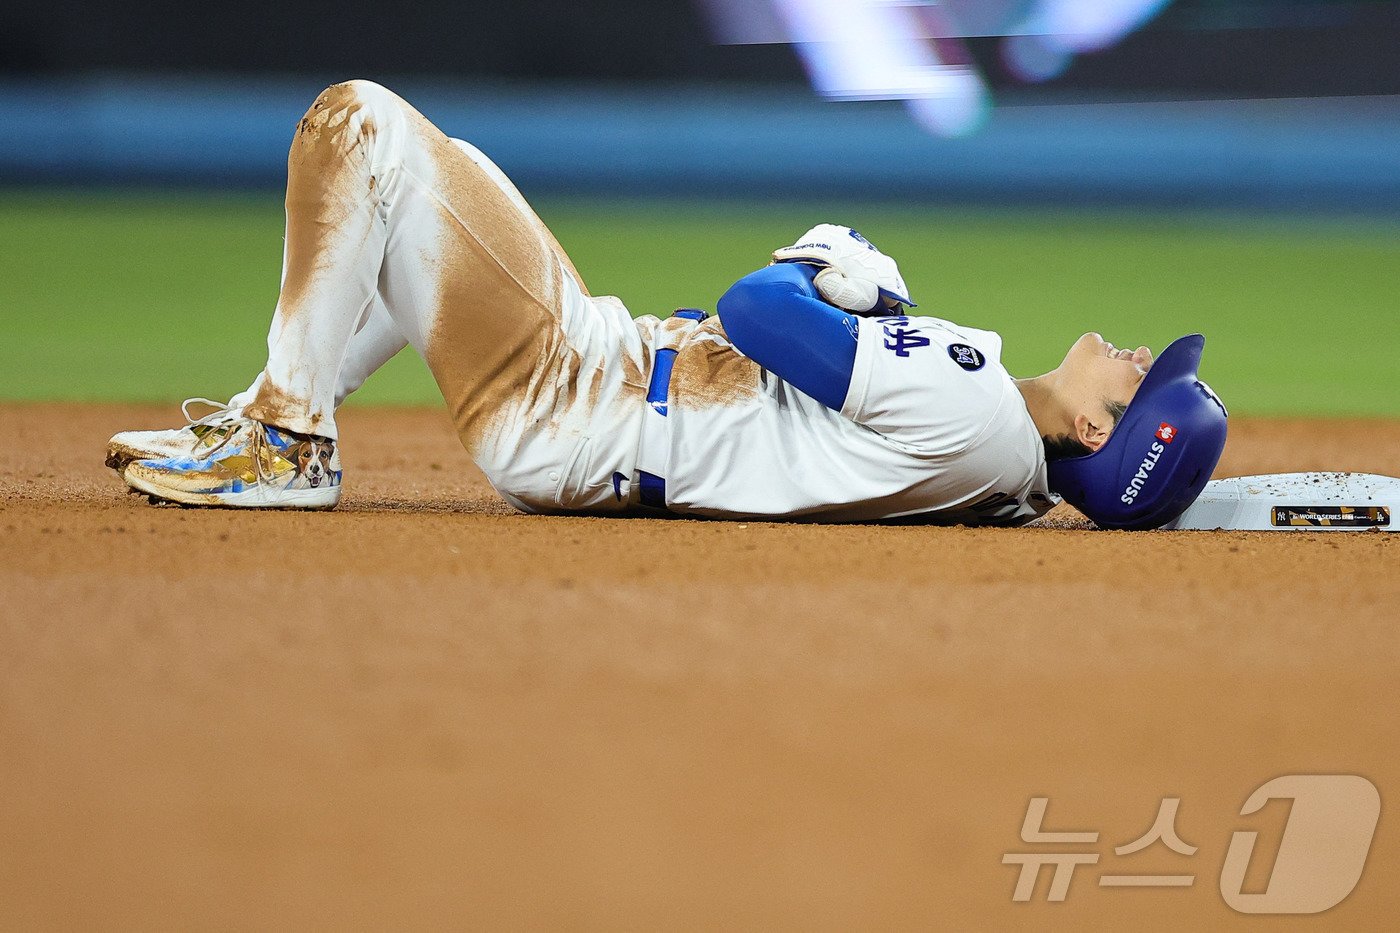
<point x="335" y="241"/>
<point x="382" y="206"/>
<point x="379" y="201"/>
<point x="374" y="343"/>
<point x="528" y="363"/>
<point x="501" y="181"/>
<point x="377" y="338"/>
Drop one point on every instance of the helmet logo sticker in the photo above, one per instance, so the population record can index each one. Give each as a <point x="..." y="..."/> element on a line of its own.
<point x="1166" y="433"/>
<point x="1144" y="472"/>
<point x="966" y="356"/>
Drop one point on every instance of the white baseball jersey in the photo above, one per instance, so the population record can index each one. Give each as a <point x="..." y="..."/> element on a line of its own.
<point x="932" y="425"/>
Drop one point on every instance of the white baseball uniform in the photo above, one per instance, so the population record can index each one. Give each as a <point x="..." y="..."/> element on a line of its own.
<point x="397" y="235"/>
<point x="918" y="435"/>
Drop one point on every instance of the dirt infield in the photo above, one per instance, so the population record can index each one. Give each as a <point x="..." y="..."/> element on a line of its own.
<point x="423" y="709"/>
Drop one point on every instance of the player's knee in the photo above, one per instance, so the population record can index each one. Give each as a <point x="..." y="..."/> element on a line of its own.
<point x="353" y="111"/>
<point x="366" y="92"/>
<point x="355" y="94"/>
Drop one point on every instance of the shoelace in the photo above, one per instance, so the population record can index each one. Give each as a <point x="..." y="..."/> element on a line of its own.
<point x="223" y="416"/>
<point x="222" y="412"/>
<point x="258" y="443"/>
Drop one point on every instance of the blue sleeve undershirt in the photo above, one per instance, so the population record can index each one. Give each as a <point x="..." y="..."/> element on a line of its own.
<point x="776" y="319"/>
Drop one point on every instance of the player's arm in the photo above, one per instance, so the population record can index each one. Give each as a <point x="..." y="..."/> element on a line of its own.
<point x="791" y="317"/>
<point x="776" y="318"/>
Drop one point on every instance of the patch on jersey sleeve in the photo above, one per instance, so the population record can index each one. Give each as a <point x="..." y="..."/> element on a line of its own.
<point x="966" y="356"/>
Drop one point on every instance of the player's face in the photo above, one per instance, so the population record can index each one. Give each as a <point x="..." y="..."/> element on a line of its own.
<point x="1117" y="373"/>
<point x="1096" y="373"/>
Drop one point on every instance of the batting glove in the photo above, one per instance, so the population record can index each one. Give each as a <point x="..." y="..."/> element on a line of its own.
<point x="855" y="275"/>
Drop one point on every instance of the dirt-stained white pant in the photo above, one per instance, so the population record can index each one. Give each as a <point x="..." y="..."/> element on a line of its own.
<point x="398" y="235"/>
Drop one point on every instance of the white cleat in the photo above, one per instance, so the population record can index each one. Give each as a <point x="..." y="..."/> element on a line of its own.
<point x="197" y="434"/>
<point x="249" y="465"/>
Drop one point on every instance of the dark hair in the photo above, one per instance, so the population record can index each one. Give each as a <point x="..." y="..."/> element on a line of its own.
<point x="1063" y="447"/>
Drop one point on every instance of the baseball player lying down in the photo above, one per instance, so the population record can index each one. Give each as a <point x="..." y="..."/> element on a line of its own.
<point x="810" y="395"/>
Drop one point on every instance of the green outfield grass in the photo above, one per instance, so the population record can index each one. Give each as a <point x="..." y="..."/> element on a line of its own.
<point x="126" y="297"/>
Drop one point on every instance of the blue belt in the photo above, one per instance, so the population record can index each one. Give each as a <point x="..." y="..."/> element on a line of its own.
<point x="651" y="489"/>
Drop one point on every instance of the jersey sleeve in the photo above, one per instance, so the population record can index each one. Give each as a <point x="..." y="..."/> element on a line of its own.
<point x="923" y="385"/>
<point x="774" y="317"/>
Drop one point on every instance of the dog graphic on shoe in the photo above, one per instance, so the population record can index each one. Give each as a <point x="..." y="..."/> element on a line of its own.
<point x="312" y="462"/>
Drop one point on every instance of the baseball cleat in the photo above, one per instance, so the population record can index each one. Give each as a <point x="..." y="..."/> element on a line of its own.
<point x="251" y="466"/>
<point x="197" y="434"/>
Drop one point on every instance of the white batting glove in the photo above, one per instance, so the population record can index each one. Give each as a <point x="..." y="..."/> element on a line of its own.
<point x="855" y="275"/>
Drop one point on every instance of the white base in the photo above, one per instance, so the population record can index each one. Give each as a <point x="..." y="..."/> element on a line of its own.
<point x="1296" y="502"/>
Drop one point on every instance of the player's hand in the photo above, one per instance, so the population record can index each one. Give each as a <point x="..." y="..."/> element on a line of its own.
<point x="855" y="275"/>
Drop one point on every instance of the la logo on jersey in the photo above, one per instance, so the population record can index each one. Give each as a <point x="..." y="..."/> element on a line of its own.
<point x="1166" y="433"/>
<point x="900" y="335"/>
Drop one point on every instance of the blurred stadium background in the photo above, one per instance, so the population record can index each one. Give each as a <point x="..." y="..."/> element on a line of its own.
<point x="1039" y="167"/>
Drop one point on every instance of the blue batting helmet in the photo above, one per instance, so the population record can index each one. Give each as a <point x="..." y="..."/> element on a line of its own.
<point x="1160" y="455"/>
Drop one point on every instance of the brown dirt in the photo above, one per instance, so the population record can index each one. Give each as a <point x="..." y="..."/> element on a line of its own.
<point x="425" y="710"/>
